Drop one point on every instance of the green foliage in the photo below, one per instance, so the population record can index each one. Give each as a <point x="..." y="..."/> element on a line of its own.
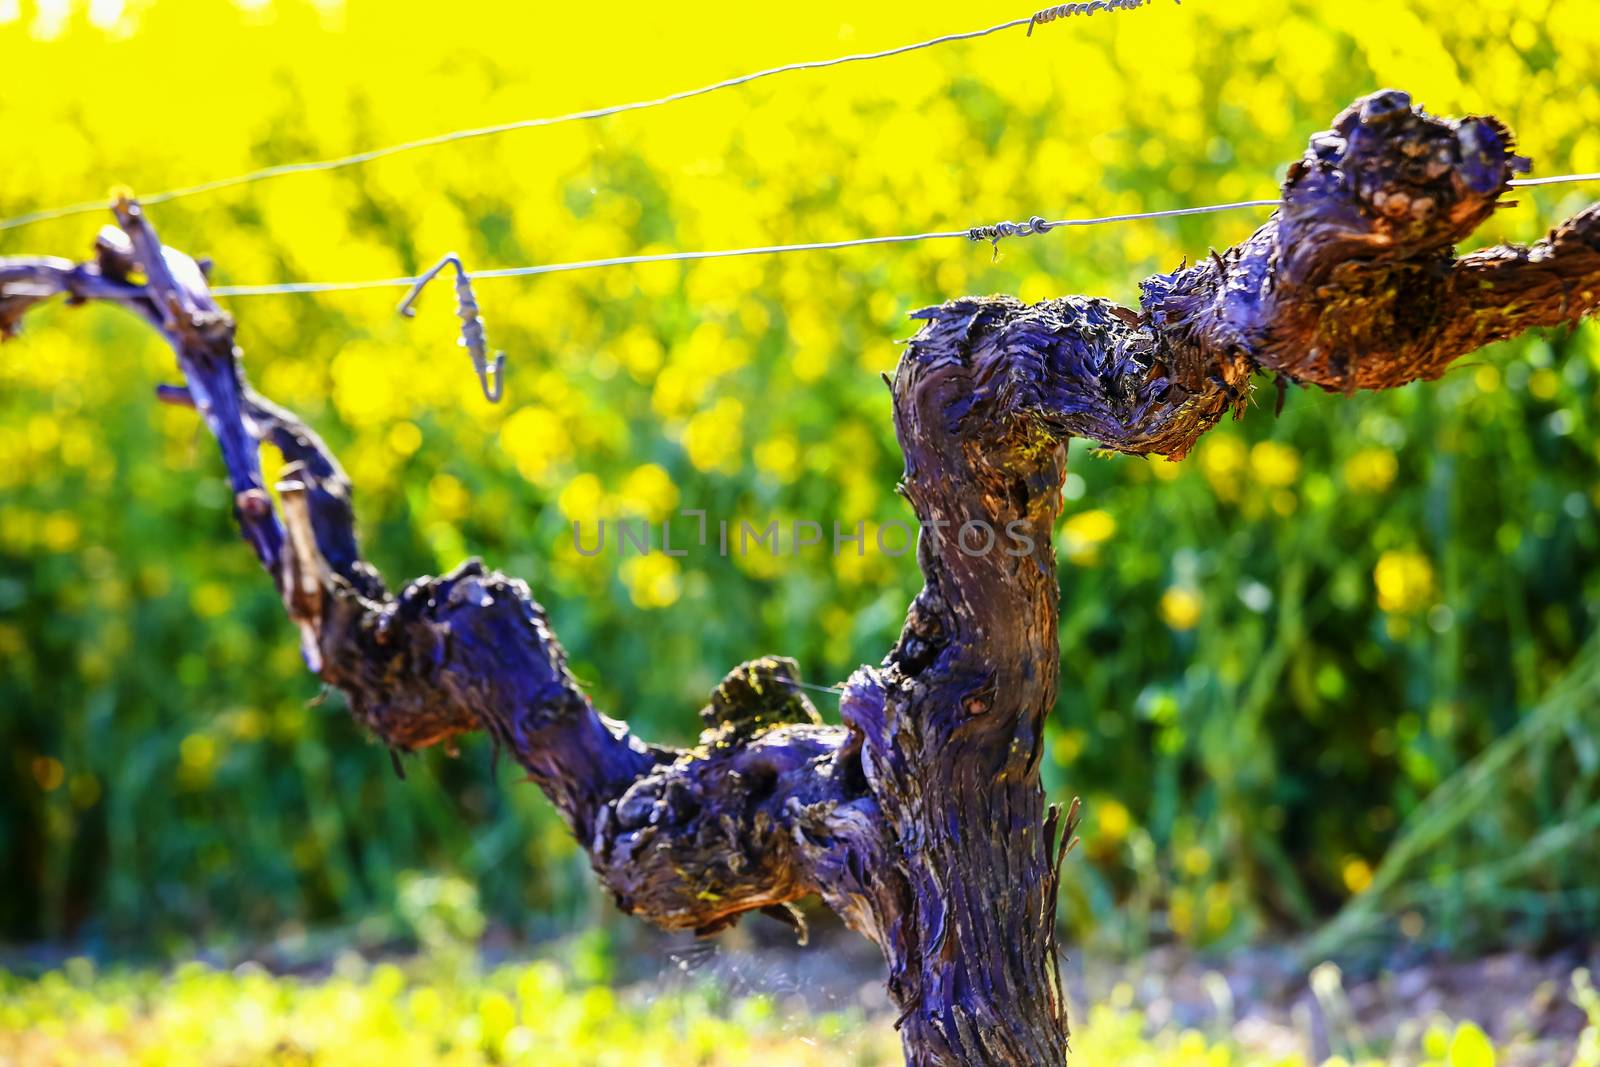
<point x="1272" y="654"/>
<point x="443" y="916"/>
<point x="1507" y="838"/>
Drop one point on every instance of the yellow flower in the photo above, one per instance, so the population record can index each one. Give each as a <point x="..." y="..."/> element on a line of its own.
<point x="59" y="532"/>
<point x="496" y="1016"/>
<point x="1357" y="874"/>
<point x="197" y="756"/>
<point x="1404" y="580"/>
<point x="714" y="437"/>
<point x="640" y="352"/>
<point x="1068" y="746"/>
<point x="1222" y="459"/>
<point x="1164" y="469"/>
<point x="43" y="433"/>
<point x="1196" y="861"/>
<point x="425" y="1006"/>
<point x="404" y="438"/>
<point x="198" y="751"/>
<point x="652" y="580"/>
<point x="580" y="500"/>
<point x="710" y="352"/>
<point x="211" y="599"/>
<point x="814" y="343"/>
<point x="1471" y="1047"/>
<point x="1114" y="821"/>
<point x="1180" y="912"/>
<point x="1084" y="533"/>
<point x="1370" y="470"/>
<point x="1219" y="908"/>
<point x="1274" y="464"/>
<point x="447" y="498"/>
<point x="779" y="457"/>
<point x="650" y="492"/>
<point x="1180" y="608"/>
<point x="535" y="439"/>
<point x="1544" y="383"/>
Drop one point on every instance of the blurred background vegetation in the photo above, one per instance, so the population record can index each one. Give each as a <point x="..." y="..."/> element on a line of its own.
<point x="1339" y="663"/>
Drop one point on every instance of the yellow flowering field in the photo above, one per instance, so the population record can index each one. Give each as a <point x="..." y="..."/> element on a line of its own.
<point x="1274" y="654"/>
<point x="537" y="1013"/>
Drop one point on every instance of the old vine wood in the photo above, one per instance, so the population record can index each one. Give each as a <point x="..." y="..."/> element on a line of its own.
<point x="920" y="819"/>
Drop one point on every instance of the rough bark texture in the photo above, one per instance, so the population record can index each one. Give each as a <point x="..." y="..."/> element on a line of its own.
<point x="920" y="819"/>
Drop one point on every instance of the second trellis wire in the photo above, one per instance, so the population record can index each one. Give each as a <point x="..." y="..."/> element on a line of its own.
<point x="992" y="234"/>
<point x="490" y="371"/>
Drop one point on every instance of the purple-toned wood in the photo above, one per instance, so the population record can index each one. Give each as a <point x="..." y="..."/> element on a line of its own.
<point x="920" y="819"/>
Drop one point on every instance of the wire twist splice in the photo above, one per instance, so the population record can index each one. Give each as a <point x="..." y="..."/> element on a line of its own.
<point x="1061" y="11"/>
<point x="1001" y="230"/>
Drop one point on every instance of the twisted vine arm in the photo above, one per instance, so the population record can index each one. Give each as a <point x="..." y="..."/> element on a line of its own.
<point x="754" y="816"/>
<point x="1353" y="284"/>
<point x="921" y="819"/>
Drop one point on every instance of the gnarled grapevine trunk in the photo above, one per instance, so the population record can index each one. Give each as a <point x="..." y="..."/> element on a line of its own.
<point x="920" y="819"/>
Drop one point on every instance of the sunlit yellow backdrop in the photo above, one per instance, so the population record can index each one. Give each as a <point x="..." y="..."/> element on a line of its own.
<point x="1345" y="603"/>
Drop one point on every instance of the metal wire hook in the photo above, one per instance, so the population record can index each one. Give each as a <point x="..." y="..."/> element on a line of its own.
<point x="472" y="333"/>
